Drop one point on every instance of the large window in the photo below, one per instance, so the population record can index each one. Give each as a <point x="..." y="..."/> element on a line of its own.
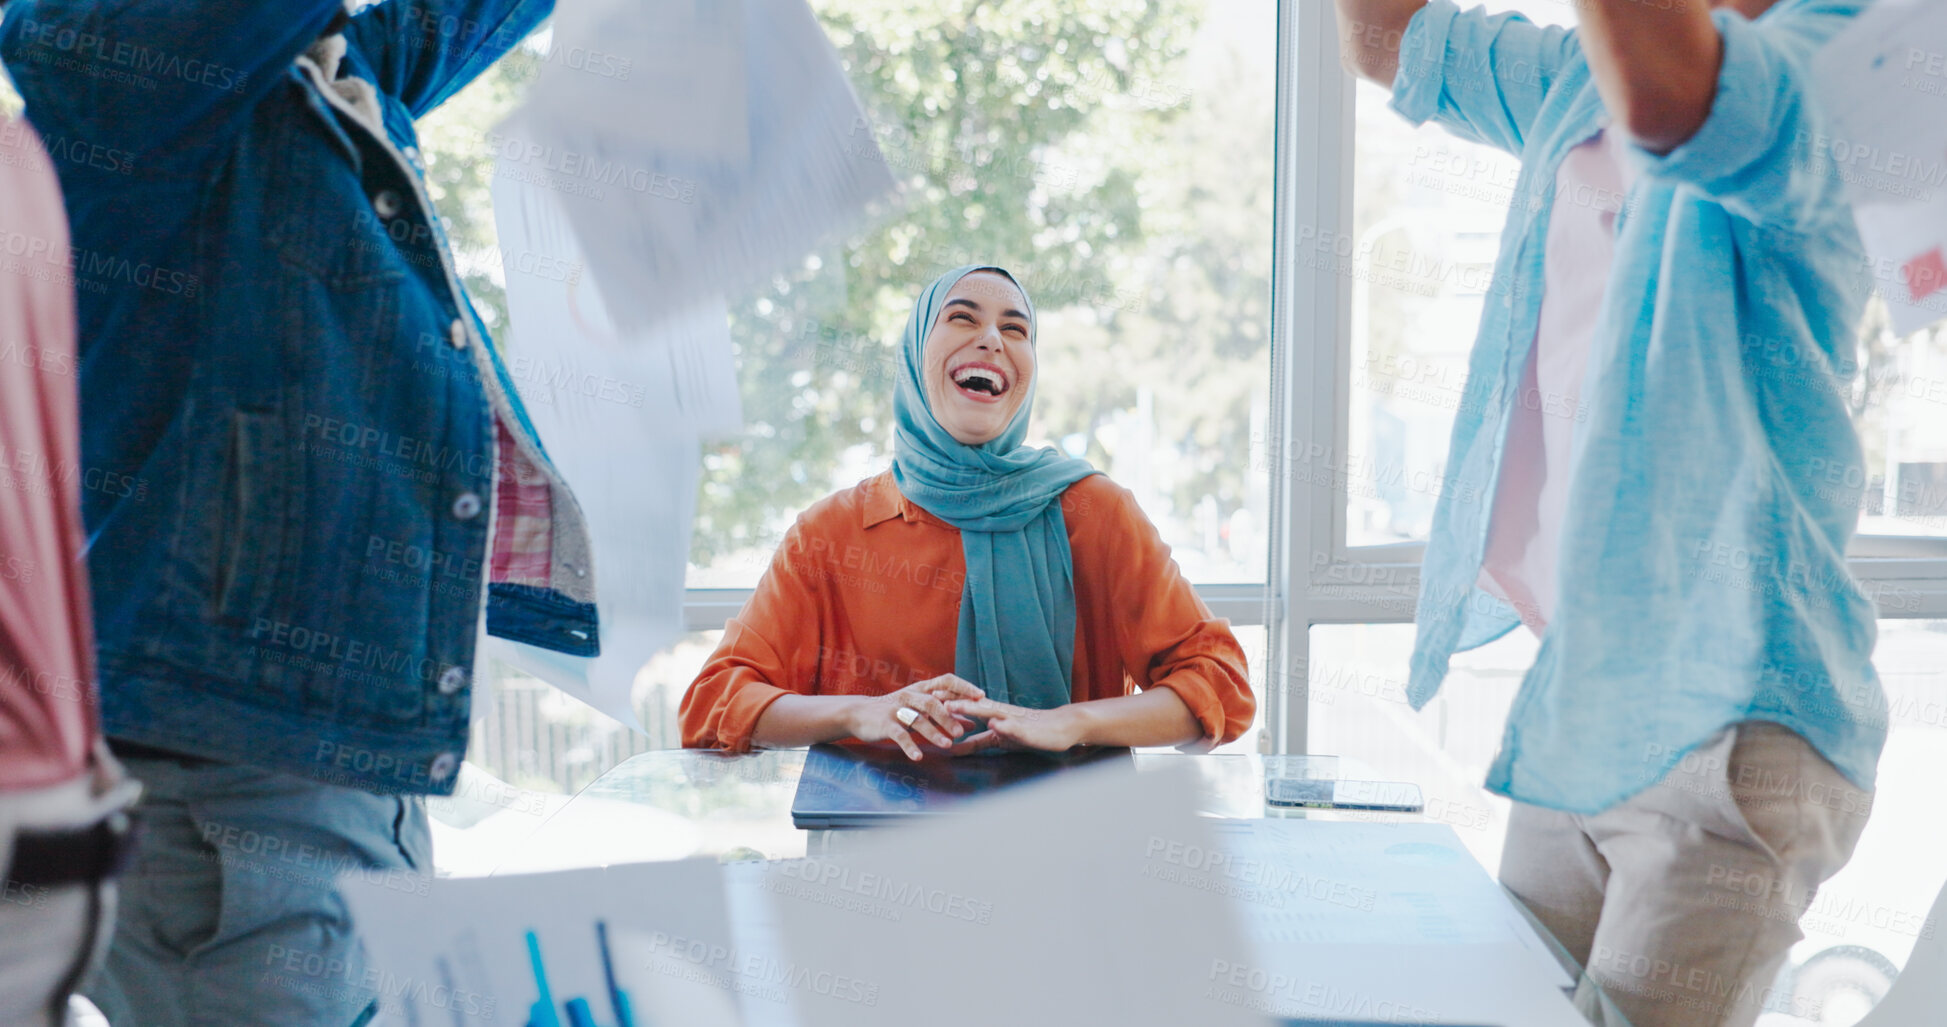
<point x="1120" y="157"/>
<point x="1117" y="157"/>
<point x="1426" y="225"/>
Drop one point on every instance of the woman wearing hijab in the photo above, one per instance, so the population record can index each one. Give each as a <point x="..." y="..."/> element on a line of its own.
<point x="978" y="580"/>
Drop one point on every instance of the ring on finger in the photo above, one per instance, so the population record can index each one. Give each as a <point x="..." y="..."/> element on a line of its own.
<point x="906" y="715"/>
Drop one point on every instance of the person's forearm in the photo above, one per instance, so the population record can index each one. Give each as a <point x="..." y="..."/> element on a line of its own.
<point x="1656" y="66"/>
<point x="1155" y="716"/>
<point x="1369" y="35"/>
<point x="798" y="720"/>
<point x="223" y="57"/>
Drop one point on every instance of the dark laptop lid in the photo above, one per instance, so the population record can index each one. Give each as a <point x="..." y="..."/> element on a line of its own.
<point x="857" y="785"/>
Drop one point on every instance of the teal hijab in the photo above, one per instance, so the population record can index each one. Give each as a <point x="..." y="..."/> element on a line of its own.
<point x="1017" y="611"/>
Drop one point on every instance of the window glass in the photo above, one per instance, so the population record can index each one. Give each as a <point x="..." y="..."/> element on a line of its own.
<point x="1428" y="211"/>
<point x="1117" y="158"/>
<point x="1899" y="400"/>
<point x="1427" y="214"/>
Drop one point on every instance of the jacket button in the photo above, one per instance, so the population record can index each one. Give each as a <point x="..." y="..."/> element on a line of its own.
<point x="443" y="766"/>
<point x="387" y="203"/>
<point x="467" y="506"/>
<point x="451" y="680"/>
<point x="456" y="333"/>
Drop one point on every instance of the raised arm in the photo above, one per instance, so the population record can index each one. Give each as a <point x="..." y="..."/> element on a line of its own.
<point x="424" y="51"/>
<point x="1743" y="131"/>
<point x="1484" y="77"/>
<point x="1656" y="66"/>
<point x="154" y="77"/>
<point x="1369" y="35"/>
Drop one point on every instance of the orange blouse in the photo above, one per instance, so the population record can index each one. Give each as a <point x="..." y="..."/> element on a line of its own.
<point x="863" y="598"/>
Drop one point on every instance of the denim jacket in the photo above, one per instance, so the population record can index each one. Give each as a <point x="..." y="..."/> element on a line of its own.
<point x="290" y="408"/>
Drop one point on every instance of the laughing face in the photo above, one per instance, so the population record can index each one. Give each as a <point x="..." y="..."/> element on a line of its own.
<point x="979" y="358"/>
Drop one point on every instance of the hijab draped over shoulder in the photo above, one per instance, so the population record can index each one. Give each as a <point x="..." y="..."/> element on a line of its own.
<point x="1017" y="610"/>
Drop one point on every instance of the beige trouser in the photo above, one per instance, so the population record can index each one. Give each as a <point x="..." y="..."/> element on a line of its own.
<point x="1683" y="900"/>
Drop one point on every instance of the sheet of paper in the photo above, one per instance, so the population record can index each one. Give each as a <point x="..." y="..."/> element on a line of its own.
<point x="1040" y="905"/>
<point x="669" y="75"/>
<point x="1379" y="921"/>
<point x="1882" y="82"/>
<point x="635" y="943"/>
<point x="674" y="207"/>
<point x="1313" y="882"/>
<point x="620" y="415"/>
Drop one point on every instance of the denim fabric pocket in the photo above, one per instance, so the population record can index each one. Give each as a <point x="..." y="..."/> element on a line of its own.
<point x="252" y="516"/>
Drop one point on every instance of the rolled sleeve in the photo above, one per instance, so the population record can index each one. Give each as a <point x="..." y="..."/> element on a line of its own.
<point x="1165" y="635"/>
<point x="1422" y="74"/>
<point x="1208" y="673"/>
<point x="1483" y="77"/>
<point x="1756" y="153"/>
<point x="768" y="650"/>
<point x="426" y="51"/>
<point x="733" y="720"/>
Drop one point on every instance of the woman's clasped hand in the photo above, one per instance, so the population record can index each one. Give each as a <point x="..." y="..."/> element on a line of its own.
<point x="947" y="712"/>
<point x="920" y="709"/>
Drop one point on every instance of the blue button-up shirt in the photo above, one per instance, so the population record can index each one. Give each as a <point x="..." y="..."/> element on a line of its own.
<point x="1718" y="478"/>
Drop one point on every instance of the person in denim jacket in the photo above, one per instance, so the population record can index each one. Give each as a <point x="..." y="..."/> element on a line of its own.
<point x="297" y="440"/>
<point x="1652" y="402"/>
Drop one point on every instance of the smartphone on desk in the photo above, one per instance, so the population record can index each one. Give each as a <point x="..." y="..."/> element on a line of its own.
<point x="1309" y="793"/>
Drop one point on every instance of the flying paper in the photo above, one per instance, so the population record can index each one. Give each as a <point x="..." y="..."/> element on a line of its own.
<point x="730" y="149"/>
<point x="1883" y="84"/>
<point x="620" y="414"/>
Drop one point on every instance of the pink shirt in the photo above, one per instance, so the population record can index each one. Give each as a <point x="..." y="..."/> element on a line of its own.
<point x="47" y="690"/>
<point x="1524" y="529"/>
